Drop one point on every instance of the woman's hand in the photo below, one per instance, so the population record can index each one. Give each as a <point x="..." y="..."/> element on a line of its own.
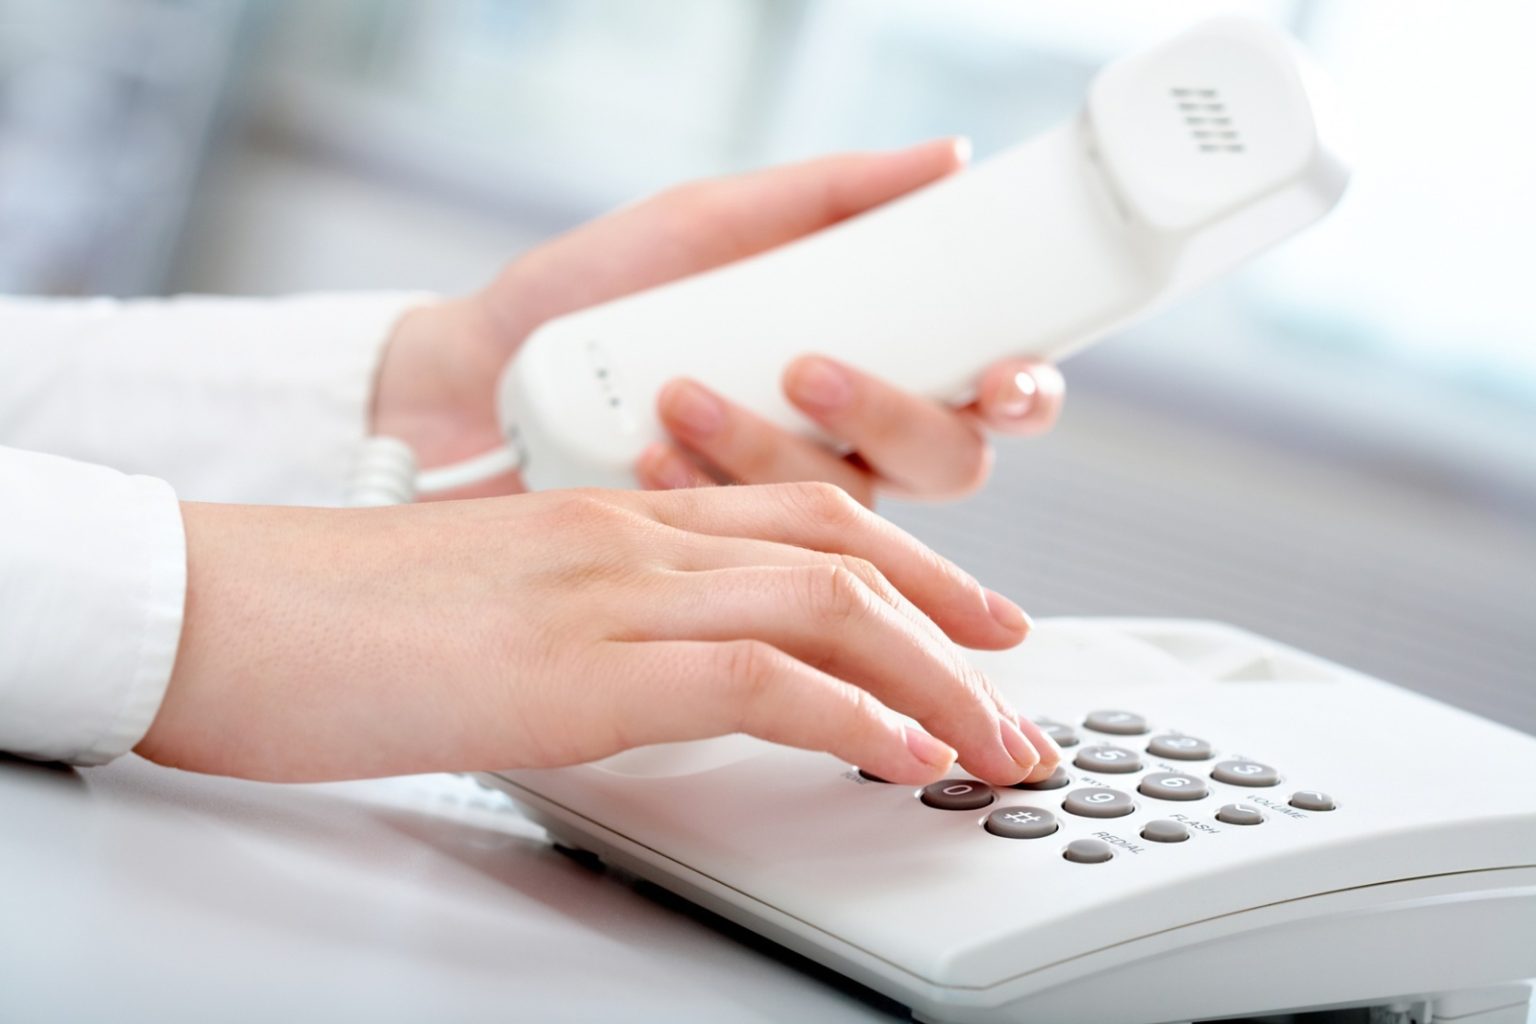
<point x="557" y="628"/>
<point x="436" y="386"/>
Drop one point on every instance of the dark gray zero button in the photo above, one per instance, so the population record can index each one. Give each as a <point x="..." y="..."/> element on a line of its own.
<point x="1104" y="758"/>
<point x="1098" y="802"/>
<point x="1179" y="748"/>
<point x="1118" y="723"/>
<point x="1312" y="800"/>
<point x="1055" y="780"/>
<point x="1021" y="822"/>
<point x="1240" y="814"/>
<point x="1064" y="735"/>
<point x="1245" y="773"/>
<point x="957" y="795"/>
<point x="1173" y="786"/>
<point x="1164" y="831"/>
<point x="1088" y="851"/>
<point x="872" y="777"/>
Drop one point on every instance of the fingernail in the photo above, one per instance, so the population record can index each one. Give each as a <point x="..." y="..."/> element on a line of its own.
<point x="932" y="752"/>
<point x="963" y="148"/>
<point x="1007" y="614"/>
<point x="666" y="467"/>
<point x="1018" y="746"/>
<point x="1016" y="395"/>
<point x="692" y="408"/>
<point x="820" y="384"/>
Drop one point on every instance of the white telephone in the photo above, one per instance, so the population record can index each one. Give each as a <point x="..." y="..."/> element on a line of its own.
<point x="1187" y="159"/>
<point x="1239" y="829"/>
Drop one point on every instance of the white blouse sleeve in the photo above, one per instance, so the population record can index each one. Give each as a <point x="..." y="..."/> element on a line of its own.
<point x="211" y="399"/>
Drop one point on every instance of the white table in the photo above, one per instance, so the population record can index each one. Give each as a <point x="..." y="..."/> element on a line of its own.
<point x="135" y="893"/>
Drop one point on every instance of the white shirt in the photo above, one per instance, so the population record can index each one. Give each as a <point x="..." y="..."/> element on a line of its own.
<point x="261" y="401"/>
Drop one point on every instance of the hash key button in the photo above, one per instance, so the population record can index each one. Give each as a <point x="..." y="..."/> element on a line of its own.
<point x="1021" y="822"/>
<point x="1245" y="773"/>
<point x="957" y="795"/>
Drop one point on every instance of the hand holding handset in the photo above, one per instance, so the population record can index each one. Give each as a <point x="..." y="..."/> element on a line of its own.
<point x="1187" y="159"/>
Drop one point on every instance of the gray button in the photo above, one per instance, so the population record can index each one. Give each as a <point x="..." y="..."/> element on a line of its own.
<point x="1120" y="723"/>
<point x="1240" y="814"/>
<point x="1179" y="748"/>
<point x="1064" y="735"/>
<point x="1021" y="822"/>
<point x="871" y="776"/>
<point x="1098" y="802"/>
<point x="1312" y="800"/>
<point x="957" y="795"/>
<point x="1055" y="780"/>
<point x="1245" y="773"/>
<point x="1173" y="786"/>
<point x="1164" y="831"/>
<point x="1105" y="758"/>
<point x="1088" y="851"/>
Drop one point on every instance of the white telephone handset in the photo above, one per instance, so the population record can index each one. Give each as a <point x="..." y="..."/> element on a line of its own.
<point x="1186" y="160"/>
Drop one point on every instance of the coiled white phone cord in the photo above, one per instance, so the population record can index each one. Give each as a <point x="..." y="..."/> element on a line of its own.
<point x="386" y="473"/>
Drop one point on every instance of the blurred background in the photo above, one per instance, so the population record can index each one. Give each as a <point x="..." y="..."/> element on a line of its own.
<point x="1336" y="447"/>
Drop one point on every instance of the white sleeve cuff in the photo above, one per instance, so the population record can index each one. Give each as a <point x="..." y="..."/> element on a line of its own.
<point x="261" y="401"/>
<point x="92" y="585"/>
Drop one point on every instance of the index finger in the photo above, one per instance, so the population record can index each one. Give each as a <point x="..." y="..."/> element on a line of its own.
<point x="821" y="517"/>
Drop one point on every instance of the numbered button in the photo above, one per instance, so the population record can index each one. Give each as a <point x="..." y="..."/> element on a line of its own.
<point x="1064" y="735"/>
<point x="1021" y="823"/>
<point x="1105" y="758"/>
<point x="1055" y="780"/>
<point x="1088" y="851"/>
<point x="1173" y="786"/>
<point x="1117" y="723"/>
<point x="871" y="776"/>
<point x="1179" y="748"/>
<point x="1098" y="802"/>
<point x="1312" y="800"/>
<point x="957" y="795"/>
<point x="1240" y="814"/>
<point x="1245" y="773"/>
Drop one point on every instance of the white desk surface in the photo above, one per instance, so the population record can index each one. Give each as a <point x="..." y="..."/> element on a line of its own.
<point x="133" y="892"/>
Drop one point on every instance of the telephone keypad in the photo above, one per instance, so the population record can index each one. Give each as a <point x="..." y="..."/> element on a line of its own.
<point x="1098" y="800"/>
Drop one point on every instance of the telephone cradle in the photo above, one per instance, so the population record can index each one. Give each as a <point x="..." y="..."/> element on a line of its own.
<point x="1238" y="828"/>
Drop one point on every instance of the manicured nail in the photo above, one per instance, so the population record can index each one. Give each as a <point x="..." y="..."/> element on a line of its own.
<point x="666" y="467"/>
<point x="820" y="384"/>
<point x="690" y="407"/>
<point x="963" y="148"/>
<point x="932" y="752"/>
<point x="1007" y="614"/>
<point x="1016" y="395"/>
<point x="1018" y="746"/>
